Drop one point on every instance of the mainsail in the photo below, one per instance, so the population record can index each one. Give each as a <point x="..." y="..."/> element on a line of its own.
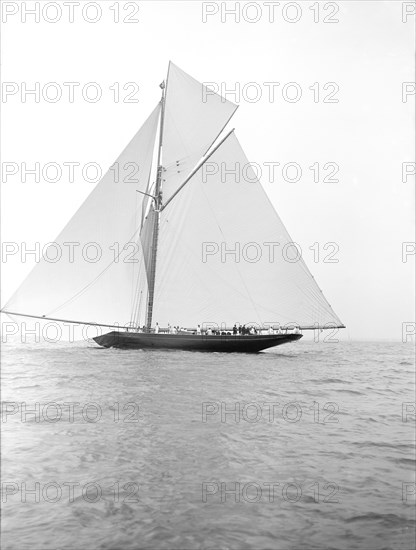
<point x="78" y="288"/>
<point x="210" y="248"/>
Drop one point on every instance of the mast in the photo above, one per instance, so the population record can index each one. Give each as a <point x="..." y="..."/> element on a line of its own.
<point x="157" y="207"/>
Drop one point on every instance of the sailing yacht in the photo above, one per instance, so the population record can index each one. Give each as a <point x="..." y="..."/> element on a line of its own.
<point x="186" y="234"/>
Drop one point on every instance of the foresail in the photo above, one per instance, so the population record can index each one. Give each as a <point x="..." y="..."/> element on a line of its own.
<point x="194" y="117"/>
<point x="224" y="256"/>
<point x="99" y="274"/>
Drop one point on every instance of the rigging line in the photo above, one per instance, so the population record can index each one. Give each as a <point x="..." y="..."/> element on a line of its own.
<point x="171" y="118"/>
<point x="76" y="295"/>
<point x="89" y="195"/>
<point x="309" y="290"/>
<point x="158" y="191"/>
<point x="43" y="317"/>
<point x="319" y="308"/>
<point x="220" y="132"/>
<point x="215" y="273"/>
<point x="196" y="169"/>
<point x="135" y="291"/>
<point x="189" y="155"/>
<point x="137" y="318"/>
<point x="214" y="140"/>
<point x="143" y="193"/>
<point x="149" y="151"/>
<point x="315" y="291"/>
<point x="143" y="290"/>
<point x="134" y="288"/>
<point x="302" y="262"/>
<point x="274" y="312"/>
<point x="247" y="295"/>
<point x="307" y="327"/>
<point x="186" y="77"/>
<point x="236" y="267"/>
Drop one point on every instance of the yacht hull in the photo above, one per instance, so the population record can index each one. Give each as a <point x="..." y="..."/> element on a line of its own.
<point x="194" y="342"/>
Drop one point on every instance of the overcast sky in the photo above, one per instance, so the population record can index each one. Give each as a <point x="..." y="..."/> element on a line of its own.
<point x="367" y="134"/>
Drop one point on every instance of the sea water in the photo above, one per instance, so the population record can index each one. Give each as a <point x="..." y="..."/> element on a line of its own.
<point x="306" y="446"/>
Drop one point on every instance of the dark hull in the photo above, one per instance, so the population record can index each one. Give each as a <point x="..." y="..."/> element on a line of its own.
<point x="194" y="342"/>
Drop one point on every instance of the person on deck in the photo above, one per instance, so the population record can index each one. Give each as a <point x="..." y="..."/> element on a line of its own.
<point x="235" y="329"/>
<point x="198" y="329"/>
<point x="157" y="328"/>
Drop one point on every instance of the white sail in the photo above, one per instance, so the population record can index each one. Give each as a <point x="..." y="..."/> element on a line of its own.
<point x="146" y="238"/>
<point x="223" y="254"/>
<point x="224" y="207"/>
<point x="194" y="117"/>
<point x="110" y="289"/>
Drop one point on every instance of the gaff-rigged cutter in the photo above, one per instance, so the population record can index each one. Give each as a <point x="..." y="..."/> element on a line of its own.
<point x="191" y="239"/>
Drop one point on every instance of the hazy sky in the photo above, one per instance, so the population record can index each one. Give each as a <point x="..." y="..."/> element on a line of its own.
<point x="368" y="133"/>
